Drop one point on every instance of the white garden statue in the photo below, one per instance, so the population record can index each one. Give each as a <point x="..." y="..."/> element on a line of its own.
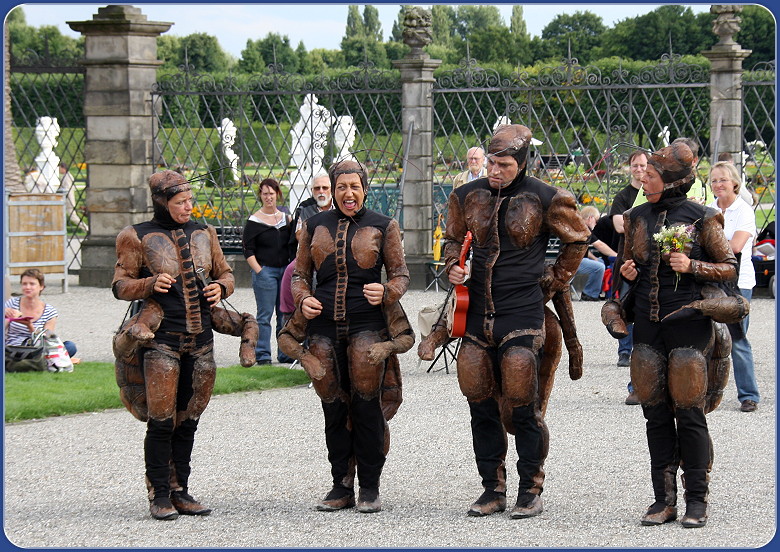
<point x="227" y="132"/>
<point x="307" y="139"/>
<point x="343" y="136"/>
<point x="45" y="176"/>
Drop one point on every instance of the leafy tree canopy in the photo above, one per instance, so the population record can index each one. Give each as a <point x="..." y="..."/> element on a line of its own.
<point x="581" y="30"/>
<point x="45" y="41"/>
<point x="649" y="36"/>
<point x="757" y="33"/>
<point x="471" y="18"/>
<point x="274" y="48"/>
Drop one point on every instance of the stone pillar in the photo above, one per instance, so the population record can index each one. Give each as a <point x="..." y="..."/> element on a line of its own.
<point x="726" y="83"/>
<point x="121" y="67"/>
<point x="417" y="109"/>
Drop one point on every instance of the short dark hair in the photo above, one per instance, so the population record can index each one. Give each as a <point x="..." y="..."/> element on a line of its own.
<point x="726" y="156"/>
<point x="274" y="185"/>
<point x="33" y="273"/>
<point x="637" y="153"/>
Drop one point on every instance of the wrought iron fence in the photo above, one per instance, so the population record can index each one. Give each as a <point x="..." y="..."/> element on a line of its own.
<point x="758" y="132"/>
<point x="284" y="126"/>
<point x="576" y="114"/>
<point x="52" y="87"/>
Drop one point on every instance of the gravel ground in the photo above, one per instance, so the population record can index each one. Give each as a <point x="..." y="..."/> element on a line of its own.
<point x="260" y="461"/>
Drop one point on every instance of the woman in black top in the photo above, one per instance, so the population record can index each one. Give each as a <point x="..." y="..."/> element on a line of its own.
<point x="265" y="239"/>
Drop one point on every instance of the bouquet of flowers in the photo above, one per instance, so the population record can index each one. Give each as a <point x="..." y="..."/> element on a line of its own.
<point x="674" y="239"/>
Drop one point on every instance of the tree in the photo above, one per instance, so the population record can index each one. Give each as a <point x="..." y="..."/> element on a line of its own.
<point x="203" y="52"/>
<point x="273" y="48"/>
<point x="45" y="42"/>
<point x="320" y="59"/>
<point x="649" y="36"/>
<point x="482" y="44"/>
<point x="372" y="27"/>
<point x="355" y="26"/>
<point x="757" y="33"/>
<point x="472" y="18"/>
<point x="304" y="66"/>
<point x="169" y="51"/>
<point x="251" y="58"/>
<point x="517" y="23"/>
<point x="443" y="19"/>
<point x="363" y="38"/>
<point x="358" y="50"/>
<point x="582" y="30"/>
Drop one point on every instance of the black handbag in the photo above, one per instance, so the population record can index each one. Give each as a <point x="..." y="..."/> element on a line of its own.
<point x="28" y="357"/>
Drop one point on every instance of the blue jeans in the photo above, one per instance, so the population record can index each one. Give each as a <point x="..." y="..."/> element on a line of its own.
<point x="626" y="345"/>
<point x="742" y="360"/>
<point x="595" y="271"/>
<point x="70" y="347"/>
<point x="266" y="285"/>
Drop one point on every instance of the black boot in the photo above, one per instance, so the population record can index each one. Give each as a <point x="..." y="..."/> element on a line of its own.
<point x="664" y="509"/>
<point x="695" y="515"/>
<point x="488" y="503"/>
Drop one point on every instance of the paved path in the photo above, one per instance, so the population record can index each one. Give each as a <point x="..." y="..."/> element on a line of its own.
<point x="259" y="461"/>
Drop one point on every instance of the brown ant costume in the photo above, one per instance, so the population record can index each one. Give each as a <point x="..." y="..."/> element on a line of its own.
<point x="512" y="344"/>
<point x="351" y="344"/>
<point x="168" y="347"/>
<point x="680" y="360"/>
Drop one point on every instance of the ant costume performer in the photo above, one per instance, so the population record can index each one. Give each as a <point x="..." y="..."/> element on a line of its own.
<point x="165" y="362"/>
<point x="349" y="338"/>
<point x="505" y="368"/>
<point x="680" y="360"/>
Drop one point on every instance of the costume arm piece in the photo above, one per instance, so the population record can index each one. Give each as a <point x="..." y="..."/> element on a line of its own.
<point x="714" y="242"/>
<point x="565" y="311"/>
<point x="300" y="283"/>
<point x="290" y="341"/>
<point x="221" y="272"/>
<point x="454" y="233"/>
<point x="565" y="222"/>
<point x="400" y="331"/>
<point x="126" y="284"/>
<point x="395" y="265"/>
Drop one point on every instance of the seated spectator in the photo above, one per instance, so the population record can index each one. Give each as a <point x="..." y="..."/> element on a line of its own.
<point x="590" y="264"/>
<point x="28" y="313"/>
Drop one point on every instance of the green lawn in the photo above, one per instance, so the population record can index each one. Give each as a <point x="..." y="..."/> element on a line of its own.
<point x="91" y="387"/>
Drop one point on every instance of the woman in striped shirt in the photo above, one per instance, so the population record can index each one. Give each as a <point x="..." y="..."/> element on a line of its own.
<point x="34" y="312"/>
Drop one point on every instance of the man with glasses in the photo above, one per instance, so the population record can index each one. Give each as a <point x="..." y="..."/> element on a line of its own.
<point x="475" y="158"/>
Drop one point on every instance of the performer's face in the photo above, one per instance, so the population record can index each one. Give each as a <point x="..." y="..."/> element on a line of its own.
<point x="652" y="185"/>
<point x="180" y="207"/>
<point x="349" y="193"/>
<point x="501" y="171"/>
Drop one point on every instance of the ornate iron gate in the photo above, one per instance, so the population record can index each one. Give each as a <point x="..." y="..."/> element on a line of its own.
<point x="586" y="121"/>
<point x="759" y="95"/>
<point x="285" y="127"/>
<point x="53" y="87"/>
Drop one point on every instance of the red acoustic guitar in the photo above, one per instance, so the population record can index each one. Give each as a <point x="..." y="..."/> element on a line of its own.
<point x="459" y="299"/>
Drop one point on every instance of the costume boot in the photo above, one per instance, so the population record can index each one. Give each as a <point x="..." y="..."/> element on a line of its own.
<point x="696" y="482"/>
<point x="664" y="508"/>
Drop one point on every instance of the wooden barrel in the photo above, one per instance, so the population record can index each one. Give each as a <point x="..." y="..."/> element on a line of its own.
<point x="37" y="232"/>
